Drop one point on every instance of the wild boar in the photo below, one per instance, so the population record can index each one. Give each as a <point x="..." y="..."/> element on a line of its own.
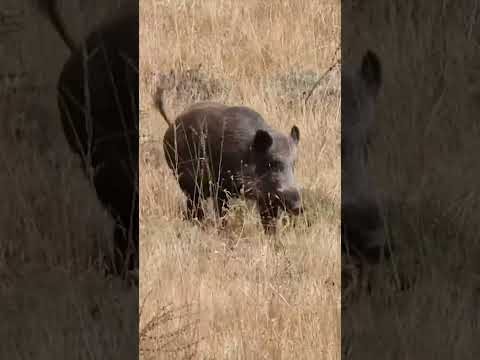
<point x="224" y="151"/>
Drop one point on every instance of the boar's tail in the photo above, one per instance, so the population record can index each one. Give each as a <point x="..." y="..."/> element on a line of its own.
<point x="50" y="8"/>
<point x="158" y="99"/>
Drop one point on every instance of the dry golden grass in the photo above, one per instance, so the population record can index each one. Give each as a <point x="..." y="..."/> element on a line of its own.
<point x="227" y="294"/>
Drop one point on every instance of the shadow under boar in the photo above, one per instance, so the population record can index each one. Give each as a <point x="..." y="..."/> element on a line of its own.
<point x="98" y="103"/>
<point x="224" y="151"/>
<point x="363" y="234"/>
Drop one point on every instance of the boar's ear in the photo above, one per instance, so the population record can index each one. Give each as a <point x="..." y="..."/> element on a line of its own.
<point x="371" y="72"/>
<point x="262" y="141"/>
<point x="295" y="134"/>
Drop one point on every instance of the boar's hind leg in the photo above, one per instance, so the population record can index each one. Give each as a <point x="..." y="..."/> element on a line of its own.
<point x="193" y="188"/>
<point x="194" y="207"/>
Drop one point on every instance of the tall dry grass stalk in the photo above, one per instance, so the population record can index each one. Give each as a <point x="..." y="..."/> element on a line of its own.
<point x="231" y="295"/>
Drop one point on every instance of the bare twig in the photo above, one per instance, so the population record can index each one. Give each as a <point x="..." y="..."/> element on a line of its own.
<point x="335" y="63"/>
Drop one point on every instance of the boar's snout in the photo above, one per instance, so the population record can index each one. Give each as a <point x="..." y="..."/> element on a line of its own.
<point x="292" y="201"/>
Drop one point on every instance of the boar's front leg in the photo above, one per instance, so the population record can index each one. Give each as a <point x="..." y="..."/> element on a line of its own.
<point x="269" y="214"/>
<point x="221" y="203"/>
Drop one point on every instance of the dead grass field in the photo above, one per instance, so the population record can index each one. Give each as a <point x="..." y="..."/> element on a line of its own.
<point x="227" y="294"/>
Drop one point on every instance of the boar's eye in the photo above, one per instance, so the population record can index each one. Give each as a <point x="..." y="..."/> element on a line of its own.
<point x="275" y="165"/>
